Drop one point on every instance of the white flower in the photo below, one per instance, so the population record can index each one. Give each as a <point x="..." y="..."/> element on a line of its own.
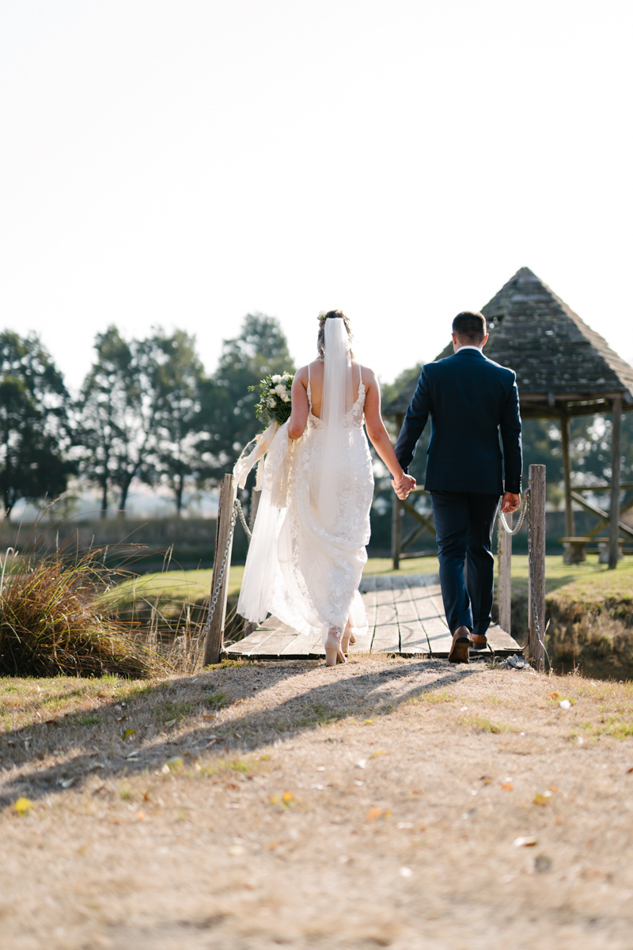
<point x="286" y="397"/>
<point x="276" y="379"/>
<point x="271" y="403"/>
<point x="280" y="389"/>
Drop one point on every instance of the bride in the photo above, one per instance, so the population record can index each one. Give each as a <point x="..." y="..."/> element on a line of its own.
<point x="308" y="548"/>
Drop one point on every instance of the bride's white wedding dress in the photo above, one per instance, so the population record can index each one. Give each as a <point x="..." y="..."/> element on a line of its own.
<point x="305" y="565"/>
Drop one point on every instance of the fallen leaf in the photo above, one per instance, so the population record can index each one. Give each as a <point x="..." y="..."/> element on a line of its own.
<point x="120" y="718"/>
<point x="274" y="799"/>
<point x="375" y="755"/>
<point x="542" y="798"/>
<point x="628" y="771"/>
<point x="209" y="716"/>
<point x="486" y="780"/>
<point x="368" y="721"/>
<point x="67" y="782"/>
<point x="554" y="695"/>
<point x="141" y="816"/>
<point x="287" y="798"/>
<point x="127" y="733"/>
<point x="173" y="765"/>
<point x="508" y="786"/>
<point x="171" y="722"/>
<point x="23" y="806"/>
<point x="524" y="842"/>
<point x="553" y="788"/>
<point x="361" y="764"/>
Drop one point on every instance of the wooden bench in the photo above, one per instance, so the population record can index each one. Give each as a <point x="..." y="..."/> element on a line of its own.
<point x="575" y="549"/>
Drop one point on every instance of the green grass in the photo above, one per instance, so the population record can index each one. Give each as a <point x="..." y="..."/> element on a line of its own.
<point x="173" y="586"/>
<point x="88" y="720"/>
<point x="217" y="699"/>
<point x="172" y="712"/>
<point x="482" y="724"/>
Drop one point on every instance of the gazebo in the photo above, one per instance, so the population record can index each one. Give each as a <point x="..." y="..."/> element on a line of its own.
<point x="564" y="369"/>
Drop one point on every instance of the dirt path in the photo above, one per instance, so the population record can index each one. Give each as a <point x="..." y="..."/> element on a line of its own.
<point x="374" y="805"/>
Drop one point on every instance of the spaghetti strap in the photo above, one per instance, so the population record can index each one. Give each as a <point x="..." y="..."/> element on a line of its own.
<point x="309" y="390"/>
<point x="360" y="373"/>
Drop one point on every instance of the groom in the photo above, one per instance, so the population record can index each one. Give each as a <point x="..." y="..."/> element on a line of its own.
<point x="471" y="400"/>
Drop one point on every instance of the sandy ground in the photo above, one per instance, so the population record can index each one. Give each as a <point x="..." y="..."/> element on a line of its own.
<point x="283" y="804"/>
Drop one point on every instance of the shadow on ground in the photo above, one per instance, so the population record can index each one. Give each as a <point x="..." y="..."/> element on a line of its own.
<point x="105" y="749"/>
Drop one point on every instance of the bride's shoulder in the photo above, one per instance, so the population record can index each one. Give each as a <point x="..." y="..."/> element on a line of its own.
<point x="369" y="377"/>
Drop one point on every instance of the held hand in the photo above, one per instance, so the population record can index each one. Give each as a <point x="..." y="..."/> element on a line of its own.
<point x="510" y="502"/>
<point x="404" y="486"/>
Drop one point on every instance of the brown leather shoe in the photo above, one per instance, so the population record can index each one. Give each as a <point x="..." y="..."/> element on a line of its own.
<point x="480" y="642"/>
<point x="461" y="643"/>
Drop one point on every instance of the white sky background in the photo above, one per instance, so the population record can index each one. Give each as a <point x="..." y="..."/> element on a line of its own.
<point x="182" y="163"/>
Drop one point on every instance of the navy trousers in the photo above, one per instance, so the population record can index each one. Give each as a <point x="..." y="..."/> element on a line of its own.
<point x="464" y="522"/>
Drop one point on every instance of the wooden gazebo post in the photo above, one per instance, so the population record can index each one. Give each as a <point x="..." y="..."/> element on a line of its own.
<point x="616" y="463"/>
<point x="565" y="426"/>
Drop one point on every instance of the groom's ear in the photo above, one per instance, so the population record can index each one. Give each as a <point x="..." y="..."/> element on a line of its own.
<point x="485" y="340"/>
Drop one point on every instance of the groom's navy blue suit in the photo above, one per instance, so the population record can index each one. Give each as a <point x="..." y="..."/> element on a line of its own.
<point x="472" y="401"/>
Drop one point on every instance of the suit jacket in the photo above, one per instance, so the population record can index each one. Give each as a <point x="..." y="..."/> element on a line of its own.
<point x="470" y="400"/>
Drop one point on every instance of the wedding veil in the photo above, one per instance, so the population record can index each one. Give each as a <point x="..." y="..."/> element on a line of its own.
<point x="336" y="402"/>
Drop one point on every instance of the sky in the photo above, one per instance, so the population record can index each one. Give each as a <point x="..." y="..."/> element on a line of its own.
<point x="179" y="163"/>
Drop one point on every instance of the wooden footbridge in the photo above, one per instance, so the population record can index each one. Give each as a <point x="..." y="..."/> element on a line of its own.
<point x="404" y="611"/>
<point x="405" y="617"/>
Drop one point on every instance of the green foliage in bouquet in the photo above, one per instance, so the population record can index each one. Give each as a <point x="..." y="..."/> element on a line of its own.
<point x="274" y="398"/>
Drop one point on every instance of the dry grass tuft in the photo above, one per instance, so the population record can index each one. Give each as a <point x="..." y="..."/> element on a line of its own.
<point x="51" y="622"/>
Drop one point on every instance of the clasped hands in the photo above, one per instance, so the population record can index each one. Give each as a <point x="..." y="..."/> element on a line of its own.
<point x="403" y="486"/>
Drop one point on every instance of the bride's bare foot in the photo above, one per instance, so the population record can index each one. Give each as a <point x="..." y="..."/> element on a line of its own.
<point x="348" y="637"/>
<point x="333" y="648"/>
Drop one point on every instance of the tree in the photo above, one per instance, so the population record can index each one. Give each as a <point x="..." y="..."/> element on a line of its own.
<point x="118" y="415"/>
<point x="227" y="414"/>
<point x="34" y="431"/>
<point x="177" y="379"/>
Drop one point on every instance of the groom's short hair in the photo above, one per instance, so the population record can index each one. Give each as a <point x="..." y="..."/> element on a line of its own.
<point x="469" y="325"/>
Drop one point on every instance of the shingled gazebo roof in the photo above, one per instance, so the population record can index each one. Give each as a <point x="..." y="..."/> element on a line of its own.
<point x="562" y="365"/>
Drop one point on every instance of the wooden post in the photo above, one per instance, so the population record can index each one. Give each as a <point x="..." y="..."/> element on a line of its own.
<point x="616" y="462"/>
<point x="536" y="574"/>
<point x="569" y="511"/>
<point x="213" y="644"/>
<point x="504" y="551"/>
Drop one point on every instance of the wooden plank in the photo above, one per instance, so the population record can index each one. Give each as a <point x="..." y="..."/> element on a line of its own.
<point x="413" y="638"/>
<point x="434" y="621"/>
<point x="368" y="593"/>
<point x="386" y="637"/>
<point x="501" y="641"/>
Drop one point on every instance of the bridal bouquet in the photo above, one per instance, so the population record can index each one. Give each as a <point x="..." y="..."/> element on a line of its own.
<point x="274" y="399"/>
